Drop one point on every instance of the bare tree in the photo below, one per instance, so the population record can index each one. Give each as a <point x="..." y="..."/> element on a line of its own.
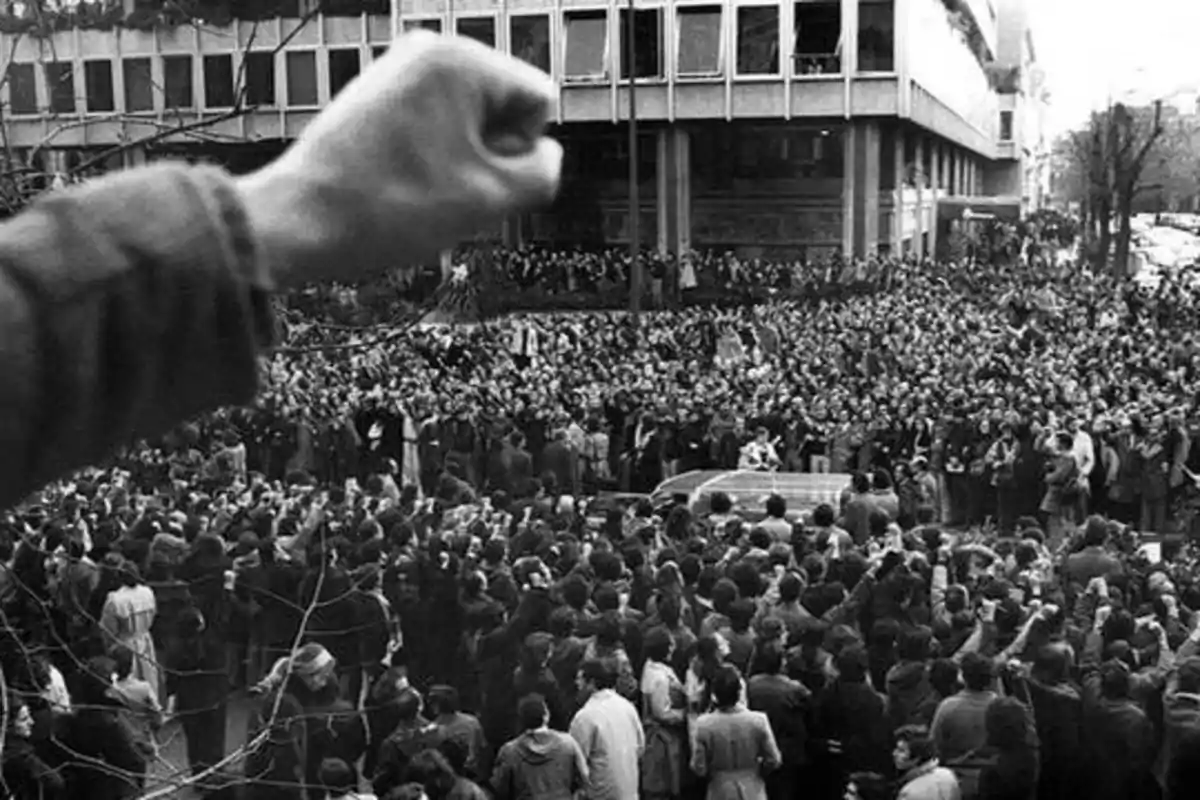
<point x="1105" y="162"/>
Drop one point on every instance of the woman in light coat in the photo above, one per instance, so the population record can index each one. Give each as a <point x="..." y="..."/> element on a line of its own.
<point x="129" y="612"/>
<point x="664" y="716"/>
<point x="733" y="747"/>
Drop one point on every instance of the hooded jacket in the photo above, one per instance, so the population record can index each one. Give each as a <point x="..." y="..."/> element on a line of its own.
<point x="540" y="764"/>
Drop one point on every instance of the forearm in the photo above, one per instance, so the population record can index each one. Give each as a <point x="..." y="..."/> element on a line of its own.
<point x="127" y="305"/>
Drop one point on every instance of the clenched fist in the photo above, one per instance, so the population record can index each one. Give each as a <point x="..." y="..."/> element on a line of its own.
<point x="440" y="138"/>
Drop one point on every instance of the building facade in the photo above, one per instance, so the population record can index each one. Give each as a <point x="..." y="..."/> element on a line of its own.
<point x="801" y="127"/>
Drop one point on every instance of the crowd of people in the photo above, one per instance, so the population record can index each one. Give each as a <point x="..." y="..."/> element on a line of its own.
<point x="406" y="555"/>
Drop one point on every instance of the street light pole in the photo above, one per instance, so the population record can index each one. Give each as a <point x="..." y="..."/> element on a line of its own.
<point x="635" y="261"/>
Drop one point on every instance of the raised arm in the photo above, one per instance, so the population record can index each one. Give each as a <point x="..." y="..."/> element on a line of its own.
<point x="139" y="300"/>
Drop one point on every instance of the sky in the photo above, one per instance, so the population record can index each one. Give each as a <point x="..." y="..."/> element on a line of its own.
<point x="1130" y="50"/>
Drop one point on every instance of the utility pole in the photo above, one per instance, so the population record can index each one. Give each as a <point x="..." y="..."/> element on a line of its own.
<point x="635" y="260"/>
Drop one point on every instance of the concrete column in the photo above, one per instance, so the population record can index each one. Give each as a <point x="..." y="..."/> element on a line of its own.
<point x="866" y="188"/>
<point x="849" y="218"/>
<point x="134" y="157"/>
<point x="898" y="210"/>
<point x="935" y="179"/>
<point x="673" y="203"/>
<point x="922" y="195"/>
<point x="511" y="231"/>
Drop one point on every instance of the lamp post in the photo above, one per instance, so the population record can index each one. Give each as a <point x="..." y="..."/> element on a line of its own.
<point x="635" y="261"/>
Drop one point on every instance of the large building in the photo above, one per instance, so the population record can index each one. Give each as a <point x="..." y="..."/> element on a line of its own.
<point x="771" y="127"/>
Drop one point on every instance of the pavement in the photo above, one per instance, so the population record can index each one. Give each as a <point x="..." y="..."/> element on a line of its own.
<point x="172" y="764"/>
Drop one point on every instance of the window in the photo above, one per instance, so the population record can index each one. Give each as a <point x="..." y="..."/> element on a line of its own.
<point x="481" y="29"/>
<point x="647" y="43"/>
<point x="178" y="90"/>
<point x="876" y="36"/>
<point x="218" y="81"/>
<point x="354" y="8"/>
<point x="378" y="52"/>
<point x="700" y="45"/>
<point x="302" y="78"/>
<point x="818" y="49"/>
<point x="139" y="86"/>
<point x="22" y="89"/>
<point x="343" y="68"/>
<point x="586" y="45"/>
<point x="98" y="86"/>
<point x="429" y="24"/>
<point x="60" y="80"/>
<point x="260" y="79"/>
<point x="529" y="38"/>
<point x="758" y="40"/>
<point x="1006" y="126"/>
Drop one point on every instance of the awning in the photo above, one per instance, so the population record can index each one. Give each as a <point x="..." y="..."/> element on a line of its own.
<point x="1004" y="208"/>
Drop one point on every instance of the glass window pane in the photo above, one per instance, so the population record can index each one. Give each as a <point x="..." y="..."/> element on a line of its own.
<point x="218" y="81"/>
<point x="529" y="37"/>
<point x="343" y="68"/>
<point x="378" y="52"/>
<point x="354" y="8"/>
<point x="876" y="35"/>
<point x="60" y="80"/>
<point x="428" y="24"/>
<point x="481" y="29"/>
<point x="700" y="41"/>
<point x="178" y="90"/>
<point x="818" y="48"/>
<point x="647" y="43"/>
<point x="586" y="45"/>
<point x="302" y="79"/>
<point x="1006" y="126"/>
<point x="139" y="86"/>
<point x="758" y="40"/>
<point x="98" y="86"/>
<point x="260" y="79"/>
<point x="22" y="88"/>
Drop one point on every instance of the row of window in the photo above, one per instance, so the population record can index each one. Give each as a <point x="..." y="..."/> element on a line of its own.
<point x="219" y="82"/>
<point x="700" y="52"/>
<point x="817" y="41"/>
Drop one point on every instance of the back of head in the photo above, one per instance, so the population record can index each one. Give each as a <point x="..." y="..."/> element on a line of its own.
<point x="1006" y="724"/>
<point x="532" y="712"/>
<point x="852" y="664"/>
<point x="122" y="658"/>
<point x="1095" y="532"/>
<point x="727" y="686"/>
<point x="977" y="672"/>
<point x="600" y="671"/>
<point x="776" y="506"/>
<point x="1114" y="680"/>
<point x="337" y="777"/>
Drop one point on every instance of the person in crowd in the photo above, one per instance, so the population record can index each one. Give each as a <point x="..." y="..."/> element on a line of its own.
<point x="539" y="762"/>
<point x="26" y="775"/>
<point x="99" y="754"/>
<point x="664" y="719"/>
<point x="141" y="712"/>
<point x="609" y="732"/>
<point x="271" y="523"/>
<point x="128" y="616"/>
<point x="915" y="759"/>
<point x="734" y="747"/>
